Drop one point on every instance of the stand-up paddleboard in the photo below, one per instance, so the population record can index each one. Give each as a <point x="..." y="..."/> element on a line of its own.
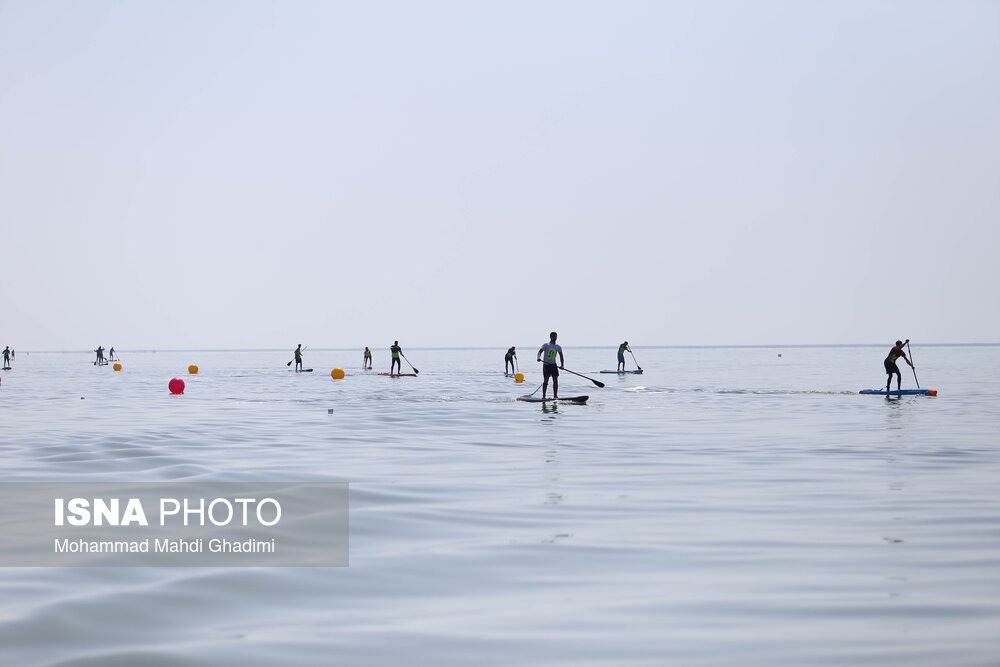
<point x="399" y="375"/>
<point x="561" y="399"/>
<point x="508" y="375"/>
<point x="900" y="392"/>
<point x="636" y="372"/>
<point x="304" y="370"/>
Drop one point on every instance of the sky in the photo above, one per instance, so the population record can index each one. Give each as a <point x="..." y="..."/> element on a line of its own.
<point x="179" y="175"/>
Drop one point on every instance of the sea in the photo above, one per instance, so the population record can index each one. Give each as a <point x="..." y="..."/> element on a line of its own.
<point x="729" y="506"/>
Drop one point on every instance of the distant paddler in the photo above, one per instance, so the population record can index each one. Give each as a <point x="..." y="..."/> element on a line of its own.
<point x="298" y="359"/>
<point x="622" y="349"/>
<point x="6" y="357"/>
<point x="508" y="361"/>
<point x="547" y="354"/>
<point x="100" y="356"/>
<point x="366" y="364"/>
<point x="395" y="351"/>
<point x="891" y="368"/>
<point x="111" y="354"/>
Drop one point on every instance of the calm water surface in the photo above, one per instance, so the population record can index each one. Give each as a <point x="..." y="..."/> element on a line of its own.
<point x="729" y="506"/>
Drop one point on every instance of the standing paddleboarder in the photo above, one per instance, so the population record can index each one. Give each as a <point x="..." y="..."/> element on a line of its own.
<point x="508" y="360"/>
<point x="621" y="355"/>
<point x="111" y="354"/>
<point x="6" y="358"/>
<point x="100" y="356"/>
<point x="396" y="350"/>
<point x="366" y="364"/>
<point x="549" y="368"/>
<point x="298" y="358"/>
<point x="890" y="365"/>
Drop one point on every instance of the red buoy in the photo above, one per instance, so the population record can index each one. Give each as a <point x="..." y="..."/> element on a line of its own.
<point x="176" y="386"/>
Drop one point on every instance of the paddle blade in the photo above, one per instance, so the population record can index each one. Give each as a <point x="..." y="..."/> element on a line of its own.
<point x="415" y="371"/>
<point x="635" y="360"/>
<point x="596" y="383"/>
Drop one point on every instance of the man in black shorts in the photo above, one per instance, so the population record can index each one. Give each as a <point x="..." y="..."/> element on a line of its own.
<point x="395" y="364"/>
<point x="890" y="365"/>
<point x="508" y="361"/>
<point x="549" y="368"/>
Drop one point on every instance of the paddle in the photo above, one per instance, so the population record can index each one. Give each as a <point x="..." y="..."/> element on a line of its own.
<point x="415" y="371"/>
<point x="911" y="363"/>
<point x="636" y="362"/>
<point x="536" y="390"/>
<point x="516" y="369"/>
<point x="599" y="384"/>
<point x="293" y="359"/>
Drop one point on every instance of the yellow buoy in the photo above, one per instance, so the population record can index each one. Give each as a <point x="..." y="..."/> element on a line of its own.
<point x="117" y="366"/>
<point x="519" y="377"/>
<point x="337" y="373"/>
<point x="193" y="369"/>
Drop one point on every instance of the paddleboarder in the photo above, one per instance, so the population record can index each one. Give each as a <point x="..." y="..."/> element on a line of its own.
<point x="508" y="360"/>
<point x="621" y="355"/>
<point x="890" y="365"/>
<point x="396" y="363"/>
<point x="549" y="368"/>
<point x="298" y="358"/>
<point x="111" y="354"/>
<point x="6" y="357"/>
<point x="100" y="356"/>
<point x="367" y="363"/>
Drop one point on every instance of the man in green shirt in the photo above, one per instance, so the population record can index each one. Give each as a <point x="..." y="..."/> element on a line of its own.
<point x="396" y="363"/>
<point x="621" y="355"/>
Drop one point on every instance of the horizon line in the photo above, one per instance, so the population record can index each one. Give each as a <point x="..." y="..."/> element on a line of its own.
<point x="499" y="347"/>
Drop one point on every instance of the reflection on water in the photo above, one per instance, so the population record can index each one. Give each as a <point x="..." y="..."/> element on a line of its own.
<point x="726" y="507"/>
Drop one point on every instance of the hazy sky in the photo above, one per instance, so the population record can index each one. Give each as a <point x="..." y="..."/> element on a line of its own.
<point x="243" y="174"/>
